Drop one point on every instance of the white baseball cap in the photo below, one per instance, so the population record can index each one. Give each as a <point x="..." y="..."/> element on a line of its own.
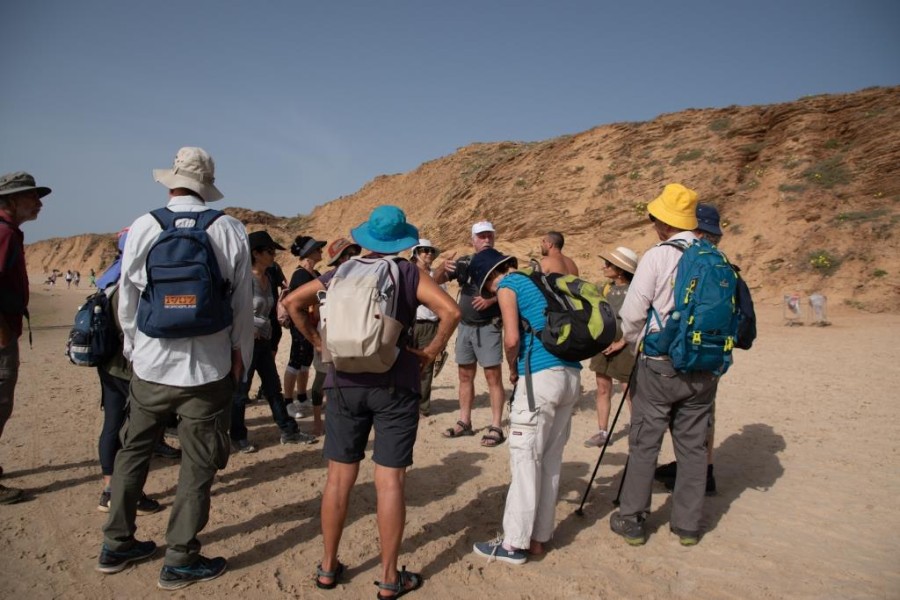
<point x="481" y="227"/>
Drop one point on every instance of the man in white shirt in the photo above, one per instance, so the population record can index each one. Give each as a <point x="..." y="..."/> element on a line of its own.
<point x="193" y="377"/>
<point x="662" y="396"/>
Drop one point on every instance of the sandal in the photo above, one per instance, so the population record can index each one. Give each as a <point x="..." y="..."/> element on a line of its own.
<point x="493" y="438"/>
<point x="460" y="430"/>
<point x="406" y="582"/>
<point x="332" y="575"/>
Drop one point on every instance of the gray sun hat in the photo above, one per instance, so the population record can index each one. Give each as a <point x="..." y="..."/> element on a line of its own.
<point x="194" y="170"/>
<point x="18" y="182"/>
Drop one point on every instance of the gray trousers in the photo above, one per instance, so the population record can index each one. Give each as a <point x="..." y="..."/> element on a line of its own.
<point x="663" y="397"/>
<point x="205" y="413"/>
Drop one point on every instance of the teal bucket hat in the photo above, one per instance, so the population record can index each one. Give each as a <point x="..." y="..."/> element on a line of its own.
<point x="386" y="231"/>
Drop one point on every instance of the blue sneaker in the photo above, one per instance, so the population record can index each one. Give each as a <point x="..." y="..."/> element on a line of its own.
<point x="205" y="569"/>
<point x="495" y="551"/>
<point x="113" y="562"/>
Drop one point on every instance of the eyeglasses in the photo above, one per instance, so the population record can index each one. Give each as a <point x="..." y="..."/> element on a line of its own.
<point x="427" y="251"/>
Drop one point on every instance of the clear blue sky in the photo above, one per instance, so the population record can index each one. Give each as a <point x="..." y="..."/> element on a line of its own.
<point x="303" y="102"/>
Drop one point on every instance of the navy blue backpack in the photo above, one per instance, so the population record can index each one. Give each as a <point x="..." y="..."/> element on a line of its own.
<point x="186" y="295"/>
<point x="94" y="339"/>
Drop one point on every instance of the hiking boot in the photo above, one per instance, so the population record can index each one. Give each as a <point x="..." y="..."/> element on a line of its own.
<point x="205" y="569"/>
<point x="298" y="437"/>
<point x="630" y="528"/>
<point x="494" y="550"/>
<point x="243" y="446"/>
<point x="10" y="495"/>
<point x="667" y="475"/>
<point x="710" y="481"/>
<point x="686" y="538"/>
<point x="113" y="562"/>
<point x="145" y="505"/>
<point x="597" y="440"/>
<point x="163" y="450"/>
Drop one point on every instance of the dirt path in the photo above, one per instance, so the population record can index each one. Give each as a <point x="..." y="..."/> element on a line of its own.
<point x="807" y="466"/>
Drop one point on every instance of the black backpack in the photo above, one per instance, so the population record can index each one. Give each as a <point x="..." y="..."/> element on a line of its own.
<point x="746" y="332"/>
<point x="578" y="322"/>
<point x="94" y="338"/>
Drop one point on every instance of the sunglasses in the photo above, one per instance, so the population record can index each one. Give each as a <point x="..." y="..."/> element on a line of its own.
<point x="426" y="251"/>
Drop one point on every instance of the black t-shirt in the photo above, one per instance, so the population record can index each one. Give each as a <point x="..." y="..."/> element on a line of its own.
<point x="300" y="277"/>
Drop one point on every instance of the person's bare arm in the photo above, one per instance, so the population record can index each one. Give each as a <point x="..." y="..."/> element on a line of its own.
<point x="297" y="304"/>
<point x="509" y="311"/>
<point x="447" y="311"/>
<point x="479" y="303"/>
<point x="444" y="270"/>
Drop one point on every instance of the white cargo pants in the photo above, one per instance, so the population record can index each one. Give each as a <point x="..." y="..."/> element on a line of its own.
<point x="536" y="442"/>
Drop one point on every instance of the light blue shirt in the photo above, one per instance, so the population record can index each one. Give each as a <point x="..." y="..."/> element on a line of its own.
<point x="532" y="304"/>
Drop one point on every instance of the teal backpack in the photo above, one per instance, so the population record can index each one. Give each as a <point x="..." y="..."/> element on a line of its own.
<point x="701" y="330"/>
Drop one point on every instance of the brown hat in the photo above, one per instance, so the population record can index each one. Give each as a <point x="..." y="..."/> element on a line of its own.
<point x="337" y="248"/>
<point x="18" y="182"/>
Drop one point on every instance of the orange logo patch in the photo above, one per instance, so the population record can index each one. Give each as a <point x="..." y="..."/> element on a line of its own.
<point x="181" y="301"/>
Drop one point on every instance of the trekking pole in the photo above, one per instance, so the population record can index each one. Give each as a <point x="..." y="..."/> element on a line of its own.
<point x="621" y="483"/>
<point x="580" y="510"/>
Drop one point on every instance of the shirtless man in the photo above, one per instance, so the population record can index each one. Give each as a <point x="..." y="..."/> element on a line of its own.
<point x="554" y="261"/>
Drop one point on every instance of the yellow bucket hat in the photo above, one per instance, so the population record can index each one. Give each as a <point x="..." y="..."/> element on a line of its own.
<point x="676" y="206"/>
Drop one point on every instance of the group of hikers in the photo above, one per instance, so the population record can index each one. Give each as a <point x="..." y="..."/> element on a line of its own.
<point x="193" y="335"/>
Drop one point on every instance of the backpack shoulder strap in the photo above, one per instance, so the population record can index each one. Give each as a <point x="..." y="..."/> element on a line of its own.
<point x="205" y="218"/>
<point x="164" y="217"/>
<point x="679" y="243"/>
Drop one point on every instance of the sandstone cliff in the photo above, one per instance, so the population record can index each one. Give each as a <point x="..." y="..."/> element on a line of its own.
<point x="809" y="192"/>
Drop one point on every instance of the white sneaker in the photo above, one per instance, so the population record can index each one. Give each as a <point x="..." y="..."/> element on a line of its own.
<point x="293" y="410"/>
<point x="297" y="409"/>
<point x="597" y="440"/>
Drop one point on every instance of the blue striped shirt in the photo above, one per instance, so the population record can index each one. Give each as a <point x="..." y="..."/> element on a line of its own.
<point x="532" y="304"/>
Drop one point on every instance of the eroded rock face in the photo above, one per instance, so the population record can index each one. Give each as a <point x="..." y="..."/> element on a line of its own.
<point x="800" y="185"/>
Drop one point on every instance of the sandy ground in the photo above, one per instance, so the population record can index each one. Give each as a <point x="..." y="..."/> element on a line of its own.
<point x="807" y="468"/>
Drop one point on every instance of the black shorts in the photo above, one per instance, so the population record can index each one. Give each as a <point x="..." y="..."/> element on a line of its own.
<point x="301" y="350"/>
<point x="352" y="411"/>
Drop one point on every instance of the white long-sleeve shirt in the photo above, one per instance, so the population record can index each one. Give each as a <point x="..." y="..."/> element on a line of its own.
<point x="653" y="285"/>
<point x="187" y="362"/>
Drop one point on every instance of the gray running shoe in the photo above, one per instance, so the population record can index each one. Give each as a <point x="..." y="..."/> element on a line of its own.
<point x="113" y="562"/>
<point x="632" y="529"/>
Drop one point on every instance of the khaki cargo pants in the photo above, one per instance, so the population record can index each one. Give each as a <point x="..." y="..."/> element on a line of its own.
<point x="205" y="413"/>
